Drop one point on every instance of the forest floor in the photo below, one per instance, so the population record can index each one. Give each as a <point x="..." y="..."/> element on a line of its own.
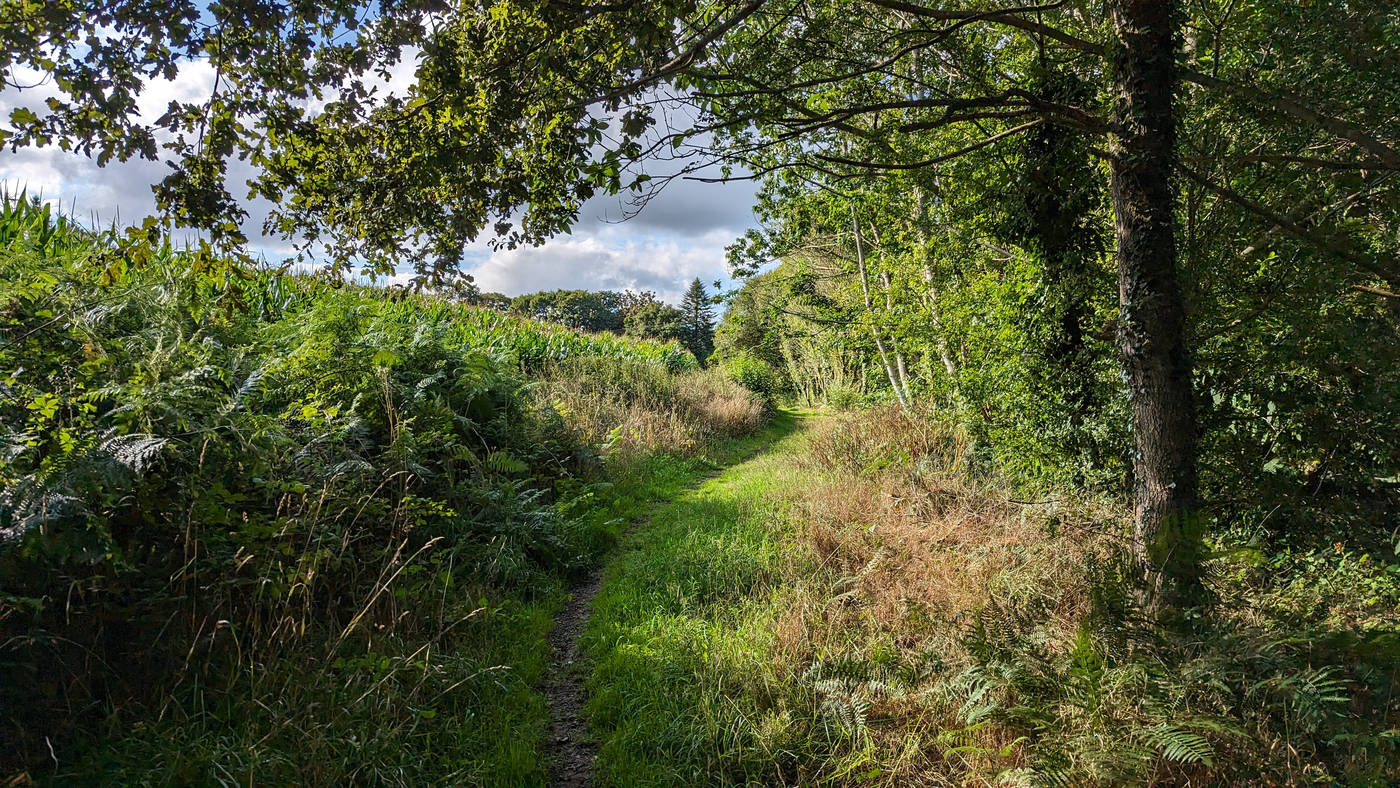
<point x="572" y="746"/>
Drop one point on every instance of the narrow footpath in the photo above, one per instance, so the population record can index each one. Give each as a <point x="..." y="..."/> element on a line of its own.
<point x="571" y="750"/>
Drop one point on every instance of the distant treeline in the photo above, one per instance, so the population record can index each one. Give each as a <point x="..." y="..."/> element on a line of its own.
<point x="631" y="313"/>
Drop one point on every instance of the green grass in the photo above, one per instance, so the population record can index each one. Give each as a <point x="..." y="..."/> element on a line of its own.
<point x="467" y="715"/>
<point x="649" y="481"/>
<point x="685" y="608"/>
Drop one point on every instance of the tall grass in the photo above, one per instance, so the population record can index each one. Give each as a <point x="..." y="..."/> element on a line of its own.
<point x="627" y="408"/>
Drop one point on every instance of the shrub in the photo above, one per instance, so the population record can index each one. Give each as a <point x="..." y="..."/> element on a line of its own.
<point x="753" y="373"/>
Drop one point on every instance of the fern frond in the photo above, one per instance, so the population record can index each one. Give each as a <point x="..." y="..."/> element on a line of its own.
<point x="1178" y="744"/>
<point x="134" y="451"/>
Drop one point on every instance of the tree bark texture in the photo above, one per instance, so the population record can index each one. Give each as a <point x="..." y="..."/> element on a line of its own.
<point x="1151" y="335"/>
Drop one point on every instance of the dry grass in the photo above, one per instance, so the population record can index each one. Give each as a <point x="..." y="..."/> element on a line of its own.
<point x="634" y="408"/>
<point x="922" y="539"/>
<point x="719" y="404"/>
<point x="918" y="547"/>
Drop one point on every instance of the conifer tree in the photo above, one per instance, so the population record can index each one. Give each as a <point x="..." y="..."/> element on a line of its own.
<point x="698" y="321"/>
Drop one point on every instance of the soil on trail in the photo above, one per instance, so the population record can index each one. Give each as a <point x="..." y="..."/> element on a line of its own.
<point x="573" y="752"/>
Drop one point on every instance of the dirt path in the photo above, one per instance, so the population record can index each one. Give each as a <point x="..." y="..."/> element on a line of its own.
<point x="573" y="752"/>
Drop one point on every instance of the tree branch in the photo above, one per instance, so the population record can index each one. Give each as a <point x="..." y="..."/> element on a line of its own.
<point x="1312" y="237"/>
<point x="935" y="160"/>
<point x="1386" y="155"/>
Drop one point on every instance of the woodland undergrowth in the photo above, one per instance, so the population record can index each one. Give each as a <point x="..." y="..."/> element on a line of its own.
<point x="997" y="628"/>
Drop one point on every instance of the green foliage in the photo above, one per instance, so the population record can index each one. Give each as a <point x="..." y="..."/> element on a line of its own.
<point x="655" y="321"/>
<point x="639" y="315"/>
<point x="579" y="309"/>
<point x="753" y="373"/>
<point x="230" y="501"/>
<point x="1129" y="703"/>
<point x="372" y="178"/>
<point x="750" y="334"/>
<point x="781" y="319"/>
<point x="534" y="345"/>
<point x="933" y="194"/>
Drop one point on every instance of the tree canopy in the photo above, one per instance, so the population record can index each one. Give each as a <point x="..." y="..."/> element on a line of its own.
<point x="655" y="320"/>
<point x="520" y="110"/>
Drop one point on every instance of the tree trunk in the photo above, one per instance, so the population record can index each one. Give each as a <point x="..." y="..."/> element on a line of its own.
<point x="1167" y="528"/>
<point x="931" y="292"/>
<point x="894" y="343"/>
<point x="870" y="314"/>
<point x="939" y="344"/>
<point x="903" y="372"/>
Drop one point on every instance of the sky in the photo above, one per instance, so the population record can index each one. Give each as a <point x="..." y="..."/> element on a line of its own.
<point x="680" y="235"/>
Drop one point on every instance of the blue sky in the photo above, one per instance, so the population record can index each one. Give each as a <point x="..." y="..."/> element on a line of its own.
<point x="681" y="234"/>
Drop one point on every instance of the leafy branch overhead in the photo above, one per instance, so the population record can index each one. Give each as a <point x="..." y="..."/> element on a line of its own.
<point x="519" y="111"/>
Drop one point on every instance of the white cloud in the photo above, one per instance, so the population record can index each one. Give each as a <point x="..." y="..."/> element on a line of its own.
<point x="193" y="83"/>
<point x="609" y="257"/>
